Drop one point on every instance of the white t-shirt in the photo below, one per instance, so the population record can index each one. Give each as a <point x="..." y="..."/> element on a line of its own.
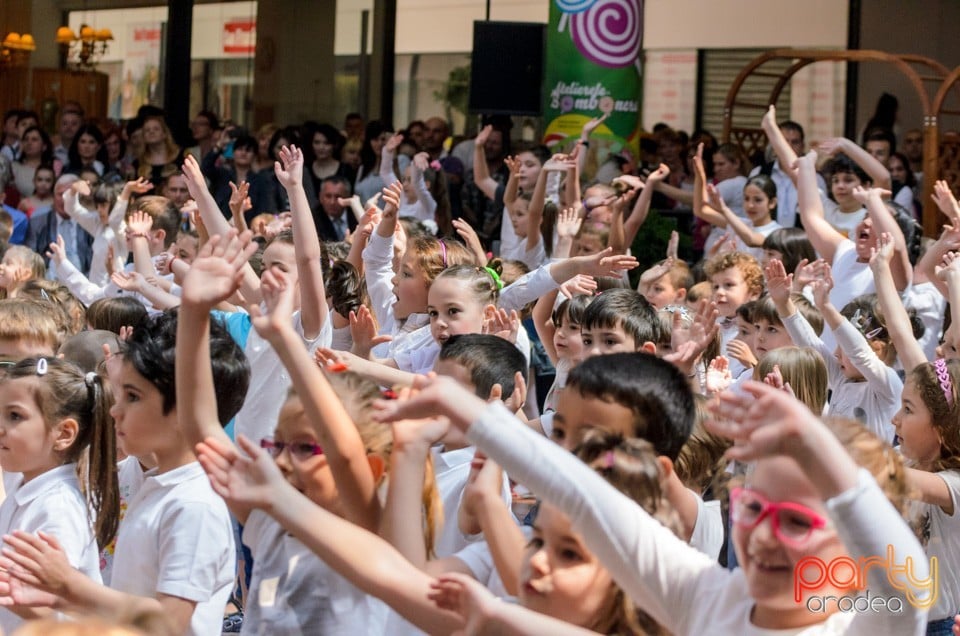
<point x="930" y="306"/>
<point x="708" y="531"/>
<point x="844" y="222"/>
<point x="269" y="381"/>
<point x="479" y="560"/>
<point x="294" y="593"/>
<point x="51" y="502"/>
<point x="851" y="278"/>
<point x="177" y="539"/>
<point x="940" y="537"/>
<point x="130" y="477"/>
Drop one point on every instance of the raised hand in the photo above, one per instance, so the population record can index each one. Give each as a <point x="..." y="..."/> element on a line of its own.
<point x="568" y="223"/>
<point x="421" y="161"/>
<point x="277" y="292"/>
<point x="393" y="143"/>
<point x="779" y="283"/>
<point x="806" y="273"/>
<point x="513" y="165"/>
<point x="740" y="351"/>
<point x="630" y="181"/>
<point x="821" y="289"/>
<point x="881" y="255"/>
<point x="334" y="361"/>
<point x="132" y="281"/>
<point x="363" y="330"/>
<point x="218" y="269"/>
<point x="659" y="175"/>
<point x="714" y="200"/>
<point x="503" y="325"/>
<point x="289" y="169"/>
<point x="465" y="596"/>
<point x="719" y="378"/>
<point x="139" y="224"/>
<point x="769" y="121"/>
<point x="762" y="420"/>
<point x="673" y="245"/>
<point x="483" y="135"/>
<point x="81" y="188"/>
<point x="245" y="482"/>
<point x="140" y="186"/>
<point x="470" y="238"/>
<point x="864" y="195"/>
<point x="606" y="263"/>
<point x="943" y="197"/>
<point x="830" y="147"/>
<point x="58" y="251"/>
<point x="426" y="432"/>
<point x="656" y="272"/>
<point x="593" y="124"/>
<point x="579" y="285"/>
<point x="239" y="200"/>
<point x="391" y="199"/>
<point x="196" y="183"/>
<point x="703" y="330"/>
<point x="950" y="266"/>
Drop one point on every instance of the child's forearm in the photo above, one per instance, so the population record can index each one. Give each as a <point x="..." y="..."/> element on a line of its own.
<point x="543" y="323"/>
<point x="399" y="525"/>
<point x="343" y="448"/>
<point x="898" y="321"/>
<point x="197" y="415"/>
<point x="831" y="316"/>
<point x="505" y="540"/>
<point x="142" y="259"/>
<point x="306" y="244"/>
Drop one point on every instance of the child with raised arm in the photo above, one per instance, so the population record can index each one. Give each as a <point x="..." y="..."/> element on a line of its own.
<point x="175" y="549"/>
<point x="106" y="224"/>
<point x="864" y="386"/>
<point x="805" y="498"/>
<point x="316" y="444"/>
<point x="929" y="439"/>
<point x="296" y="254"/>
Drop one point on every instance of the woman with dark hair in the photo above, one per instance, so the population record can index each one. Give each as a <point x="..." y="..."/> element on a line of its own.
<point x="322" y="144"/>
<point x="116" y="148"/>
<point x="904" y="183"/>
<point x="35" y="151"/>
<point x="87" y="150"/>
<point x="368" y="181"/>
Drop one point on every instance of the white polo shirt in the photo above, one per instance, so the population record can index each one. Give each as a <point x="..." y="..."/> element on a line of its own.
<point x="51" y="502"/>
<point x="176" y="539"/>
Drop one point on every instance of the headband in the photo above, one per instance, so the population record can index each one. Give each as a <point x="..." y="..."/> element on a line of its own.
<point x="943" y="375"/>
<point x="443" y="252"/>
<point x="495" y="276"/>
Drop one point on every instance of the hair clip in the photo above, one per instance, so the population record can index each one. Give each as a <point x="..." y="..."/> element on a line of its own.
<point x="443" y="252"/>
<point x="42" y="366"/>
<point x="388" y="394"/>
<point x="44" y="294"/>
<point x="436" y="165"/>
<point x="337" y="367"/>
<point x="943" y="375"/>
<point x="608" y="459"/>
<point x="495" y="276"/>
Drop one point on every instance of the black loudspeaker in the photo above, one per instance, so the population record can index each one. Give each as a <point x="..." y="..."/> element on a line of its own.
<point x="506" y="73"/>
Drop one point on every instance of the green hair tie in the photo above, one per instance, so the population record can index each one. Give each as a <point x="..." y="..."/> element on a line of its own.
<point x="495" y="276"/>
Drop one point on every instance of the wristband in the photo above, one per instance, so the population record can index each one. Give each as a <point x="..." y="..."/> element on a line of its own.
<point x="136" y="235"/>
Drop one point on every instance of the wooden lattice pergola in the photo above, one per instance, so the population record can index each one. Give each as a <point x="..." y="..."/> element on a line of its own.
<point x="931" y="81"/>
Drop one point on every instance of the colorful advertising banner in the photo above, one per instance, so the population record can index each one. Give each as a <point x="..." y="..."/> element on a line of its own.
<point x="593" y="68"/>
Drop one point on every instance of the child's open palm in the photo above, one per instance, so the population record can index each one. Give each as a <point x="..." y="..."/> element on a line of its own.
<point x="943" y="197"/>
<point x="363" y="331"/>
<point x="606" y="263"/>
<point x="465" y="596"/>
<point x="821" y="288"/>
<point x="881" y="255"/>
<point x="218" y="269"/>
<point x="719" y="378"/>
<point x="244" y="481"/>
<point x="277" y="293"/>
<point x="196" y="183"/>
<point x="289" y="169"/>
<point x="779" y="283"/>
<point x="503" y="325"/>
<point x="568" y="223"/>
<point x="38" y="568"/>
<point x="139" y="223"/>
<point x="58" y="251"/>
<point x="762" y="420"/>
<point x="391" y="199"/>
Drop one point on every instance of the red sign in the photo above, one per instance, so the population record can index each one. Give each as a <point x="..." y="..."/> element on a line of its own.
<point x="240" y="36"/>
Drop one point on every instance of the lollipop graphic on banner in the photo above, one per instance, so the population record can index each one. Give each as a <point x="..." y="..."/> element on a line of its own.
<point x="608" y="33"/>
<point x="571" y="6"/>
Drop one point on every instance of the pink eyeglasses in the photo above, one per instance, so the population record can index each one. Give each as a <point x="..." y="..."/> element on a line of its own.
<point x="792" y="523"/>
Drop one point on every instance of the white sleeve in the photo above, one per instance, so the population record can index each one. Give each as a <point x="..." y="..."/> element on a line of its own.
<point x="527" y="288"/>
<point x="803" y="335"/>
<point x="386" y="167"/>
<point x="508" y="237"/>
<point x="78" y="284"/>
<point x="708" y="531"/>
<point x="880" y="377"/>
<point x="117" y="215"/>
<point x="658" y="571"/>
<point x="424" y="198"/>
<point x="87" y="219"/>
<point x="378" y="273"/>
<point x="870" y="527"/>
<point x="194" y="541"/>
